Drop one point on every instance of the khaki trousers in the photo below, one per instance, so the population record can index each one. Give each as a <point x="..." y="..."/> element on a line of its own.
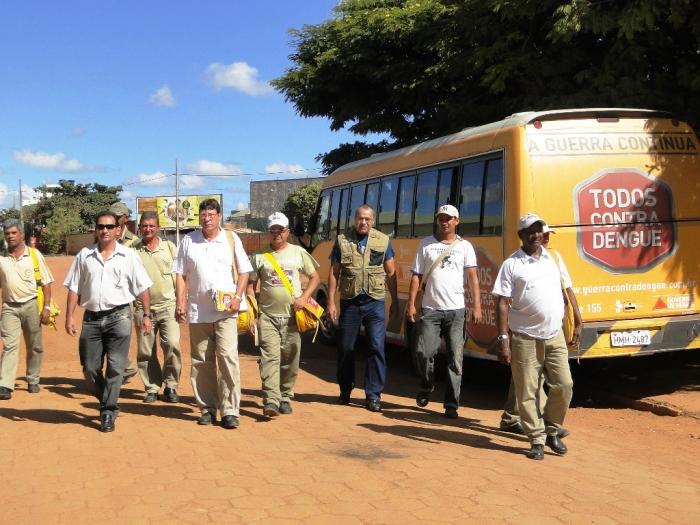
<point x="530" y="359"/>
<point x="19" y="318"/>
<point x="216" y="374"/>
<point x="167" y="330"/>
<point x="511" y="415"/>
<point x="280" y="347"/>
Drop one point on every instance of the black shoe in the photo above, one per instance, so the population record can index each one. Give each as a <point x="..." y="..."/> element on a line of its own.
<point x="106" y="422"/>
<point x="5" y="393"/>
<point x="151" y="397"/>
<point x="535" y="452"/>
<point x="344" y="398"/>
<point x="229" y="422"/>
<point x="33" y="388"/>
<point x="207" y="418"/>
<point x="128" y="374"/>
<point x="285" y="407"/>
<point x="556" y="444"/>
<point x="170" y="395"/>
<point x="374" y="405"/>
<point x="562" y="432"/>
<point x="422" y="398"/>
<point x="271" y="410"/>
<point x="514" y="428"/>
<point x="451" y="413"/>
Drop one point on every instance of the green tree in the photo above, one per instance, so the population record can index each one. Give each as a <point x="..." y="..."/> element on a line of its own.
<point x="300" y="205"/>
<point x="70" y="208"/>
<point x="417" y="69"/>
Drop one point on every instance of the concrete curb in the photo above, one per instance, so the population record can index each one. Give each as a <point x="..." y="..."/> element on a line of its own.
<point x="648" y="404"/>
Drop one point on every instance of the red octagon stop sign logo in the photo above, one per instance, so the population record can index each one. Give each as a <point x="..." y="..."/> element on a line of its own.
<point x="626" y="220"/>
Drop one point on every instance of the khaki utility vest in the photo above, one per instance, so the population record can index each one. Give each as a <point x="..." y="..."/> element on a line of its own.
<point x="360" y="271"/>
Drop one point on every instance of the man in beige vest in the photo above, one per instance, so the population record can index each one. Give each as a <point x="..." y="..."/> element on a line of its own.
<point x="362" y="267"/>
<point x="157" y="256"/>
<point x="20" y="310"/>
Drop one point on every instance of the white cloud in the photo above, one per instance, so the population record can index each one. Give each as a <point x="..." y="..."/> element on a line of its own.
<point x="279" y="168"/>
<point x="8" y="196"/>
<point x="163" y="97"/>
<point x="240" y="206"/>
<point x="212" y="167"/>
<point x="157" y="178"/>
<point x="53" y="161"/>
<point x="128" y="196"/>
<point x="238" y="76"/>
<point x="191" y="181"/>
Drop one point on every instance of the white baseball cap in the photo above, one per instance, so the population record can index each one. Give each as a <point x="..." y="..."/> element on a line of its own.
<point x="277" y="219"/>
<point x="448" y="209"/>
<point x="547" y="229"/>
<point x="528" y="220"/>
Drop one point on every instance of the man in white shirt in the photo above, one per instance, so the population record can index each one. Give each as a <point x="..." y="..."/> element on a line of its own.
<point x="106" y="278"/>
<point x="531" y="308"/>
<point x="205" y="263"/>
<point x="446" y="262"/>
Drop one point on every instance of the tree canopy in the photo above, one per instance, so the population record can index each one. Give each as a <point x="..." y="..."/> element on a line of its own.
<point x="417" y="69"/>
<point x="300" y="205"/>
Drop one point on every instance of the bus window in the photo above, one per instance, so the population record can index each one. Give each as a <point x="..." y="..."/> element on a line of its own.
<point x="493" y="198"/>
<point x="387" y="206"/>
<point x="406" y="206"/>
<point x="445" y="186"/>
<point x="323" y="223"/>
<point x="333" y="221"/>
<point x="373" y="195"/>
<point x="357" y="199"/>
<point x="470" y="198"/>
<point x="343" y="215"/>
<point x="425" y="204"/>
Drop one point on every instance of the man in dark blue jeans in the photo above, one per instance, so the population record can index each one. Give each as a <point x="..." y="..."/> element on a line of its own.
<point x="362" y="267"/>
<point x="106" y="278"/>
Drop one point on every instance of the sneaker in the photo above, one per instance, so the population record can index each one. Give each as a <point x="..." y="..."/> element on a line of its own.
<point x="207" y="418"/>
<point x="170" y="395"/>
<point x="285" y="407"/>
<point x="271" y="410"/>
<point x="374" y="405"/>
<point x="5" y="393"/>
<point x="33" y="388"/>
<point x="229" y="422"/>
<point x="151" y="397"/>
<point x="451" y="413"/>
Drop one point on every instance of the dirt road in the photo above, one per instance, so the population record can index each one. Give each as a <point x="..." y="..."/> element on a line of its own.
<point x="335" y="464"/>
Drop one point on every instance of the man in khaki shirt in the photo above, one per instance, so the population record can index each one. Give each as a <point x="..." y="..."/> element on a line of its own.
<point x="20" y="310"/>
<point x="157" y="256"/>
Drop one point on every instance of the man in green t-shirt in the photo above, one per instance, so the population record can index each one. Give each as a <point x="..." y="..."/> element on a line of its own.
<point x="280" y="341"/>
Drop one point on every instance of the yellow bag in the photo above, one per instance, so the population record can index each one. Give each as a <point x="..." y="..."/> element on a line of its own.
<point x="54" y="311"/>
<point x="568" y="322"/>
<point x="309" y="317"/>
<point x="248" y="318"/>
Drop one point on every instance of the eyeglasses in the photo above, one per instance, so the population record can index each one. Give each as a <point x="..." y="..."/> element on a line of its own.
<point x="276" y="231"/>
<point x="208" y="215"/>
<point x="106" y="226"/>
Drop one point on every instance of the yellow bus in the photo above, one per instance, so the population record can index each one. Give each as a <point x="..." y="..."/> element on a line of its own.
<point x="621" y="188"/>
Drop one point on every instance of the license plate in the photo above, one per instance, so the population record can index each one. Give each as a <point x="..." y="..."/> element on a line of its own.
<point x="631" y="338"/>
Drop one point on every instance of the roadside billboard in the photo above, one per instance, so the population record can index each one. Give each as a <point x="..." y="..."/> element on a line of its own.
<point x="186" y="210"/>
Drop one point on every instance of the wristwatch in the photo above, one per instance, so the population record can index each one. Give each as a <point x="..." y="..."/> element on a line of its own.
<point x="47" y="307"/>
<point x="148" y="314"/>
<point x="238" y="297"/>
<point x="501" y="338"/>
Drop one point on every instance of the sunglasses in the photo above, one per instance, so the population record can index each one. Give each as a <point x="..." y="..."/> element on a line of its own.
<point x="106" y="226"/>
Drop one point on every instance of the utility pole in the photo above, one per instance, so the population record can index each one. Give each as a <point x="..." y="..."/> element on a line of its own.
<point x="21" y="213"/>
<point x="177" y="207"/>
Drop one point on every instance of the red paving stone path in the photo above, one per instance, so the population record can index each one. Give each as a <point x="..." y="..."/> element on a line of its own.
<point x="326" y="463"/>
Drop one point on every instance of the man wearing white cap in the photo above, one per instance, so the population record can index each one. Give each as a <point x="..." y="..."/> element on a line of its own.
<point x="445" y="262"/>
<point x="280" y="341"/>
<point x="529" y="320"/>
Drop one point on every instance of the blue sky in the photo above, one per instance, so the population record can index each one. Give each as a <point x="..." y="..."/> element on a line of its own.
<point x="115" y="91"/>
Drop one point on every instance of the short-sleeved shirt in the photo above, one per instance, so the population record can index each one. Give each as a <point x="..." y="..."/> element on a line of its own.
<point x="444" y="289"/>
<point x="159" y="266"/>
<point x="207" y="266"/>
<point x="361" y="243"/>
<point x="105" y="284"/>
<point x="535" y="289"/>
<point x="274" y="297"/>
<point x="17" y="276"/>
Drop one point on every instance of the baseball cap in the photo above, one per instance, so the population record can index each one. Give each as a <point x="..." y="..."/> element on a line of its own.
<point x="547" y="229"/>
<point x="528" y="220"/>
<point x="119" y="209"/>
<point x="448" y="209"/>
<point x="277" y="219"/>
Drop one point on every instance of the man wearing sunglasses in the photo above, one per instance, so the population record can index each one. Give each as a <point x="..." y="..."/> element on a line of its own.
<point x="105" y="279"/>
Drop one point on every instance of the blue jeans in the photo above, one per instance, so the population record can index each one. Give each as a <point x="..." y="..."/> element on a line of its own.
<point x="362" y="310"/>
<point x="105" y="334"/>
<point x="432" y="325"/>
